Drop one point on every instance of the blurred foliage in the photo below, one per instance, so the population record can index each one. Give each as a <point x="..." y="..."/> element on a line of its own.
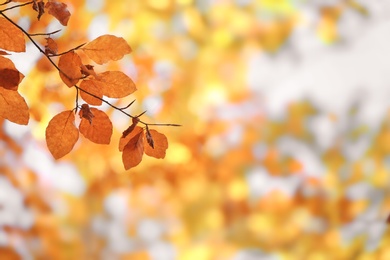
<point x="235" y="183"/>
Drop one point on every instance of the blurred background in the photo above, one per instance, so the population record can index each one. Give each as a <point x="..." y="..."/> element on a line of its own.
<point x="283" y="152"/>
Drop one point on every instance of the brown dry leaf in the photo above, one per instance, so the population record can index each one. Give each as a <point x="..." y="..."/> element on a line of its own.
<point x="59" y="11"/>
<point x="124" y="140"/>
<point x="40" y="8"/>
<point x="85" y="112"/>
<point x="133" y="151"/>
<point x="88" y="70"/>
<point x="61" y="134"/>
<point x="69" y="65"/>
<point x="13" y="107"/>
<point x="106" y="48"/>
<point x="4" y="53"/>
<point x="51" y="46"/>
<point x="131" y="127"/>
<point x="10" y="77"/>
<point x="94" y="87"/>
<point x="11" y="38"/>
<point x="160" y="145"/>
<point x="116" y="84"/>
<point x="149" y="138"/>
<point x="100" y="130"/>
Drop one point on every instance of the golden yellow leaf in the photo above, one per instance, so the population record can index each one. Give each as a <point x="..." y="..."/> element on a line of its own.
<point x="11" y="38"/>
<point x="61" y="134"/>
<point x="106" y="48"/>
<point x="116" y="84"/>
<point x="13" y="107"/>
<point x="70" y="64"/>
<point x="99" y="130"/>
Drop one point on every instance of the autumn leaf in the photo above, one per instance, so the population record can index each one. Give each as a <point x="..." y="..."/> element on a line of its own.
<point x="51" y="46"/>
<point x="133" y="151"/>
<point x="116" y="84"/>
<point x="40" y="8"/>
<point x="70" y="64"/>
<point x="100" y="130"/>
<point x="94" y="87"/>
<point x="13" y="107"/>
<point x="149" y="138"/>
<point x="10" y="77"/>
<point x="160" y="143"/>
<point x="61" y="134"/>
<point x="4" y="53"/>
<point x="11" y="38"/>
<point x="85" y="112"/>
<point x="59" y="11"/>
<point x="106" y="48"/>
<point x="131" y="127"/>
<point x="125" y="139"/>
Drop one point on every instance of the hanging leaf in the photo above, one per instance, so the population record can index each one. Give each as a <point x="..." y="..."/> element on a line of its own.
<point x="116" y="84"/>
<point x="59" y="11"/>
<point x="11" y="38"/>
<point x="106" y="48"/>
<point x="88" y="70"/>
<point x="10" y="77"/>
<point x="51" y="46"/>
<point x="94" y="87"/>
<point x="69" y="65"/>
<point x="131" y="127"/>
<point x="100" y="130"/>
<point x="124" y="140"/>
<point x="13" y="107"/>
<point x="85" y="112"/>
<point x="133" y="151"/>
<point x="39" y="7"/>
<point x="61" y="134"/>
<point x="160" y="145"/>
<point x="149" y="137"/>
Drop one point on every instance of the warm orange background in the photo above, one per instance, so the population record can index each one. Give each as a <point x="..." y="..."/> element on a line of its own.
<point x="282" y="152"/>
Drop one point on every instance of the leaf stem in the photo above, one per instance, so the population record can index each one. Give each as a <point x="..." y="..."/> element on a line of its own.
<point x="44" y="34"/>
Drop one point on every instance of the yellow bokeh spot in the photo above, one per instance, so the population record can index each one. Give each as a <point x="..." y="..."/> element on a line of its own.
<point x="178" y="153"/>
<point x="159" y="4"/>
<point x="214" y="219"/>
<point x="215" y="94"/>
<point x="222" y="38"/>
<point x="238" y="190"/>
<point x="277" y="6"/>
<point x="184" y="2"/>
<point x="197" y="252"/>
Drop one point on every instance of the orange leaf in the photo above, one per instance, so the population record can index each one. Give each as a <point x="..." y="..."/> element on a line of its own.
<point x="11" y="38"/>
<point x="106" y="48"/>
<point x="4" y="53"/>
<point x="160" y="143"/>
<point x="59" y="11"/>
<point x="10" y="77"/>
<point x="116" y="84"/>
<point x="61" y="134"/>
<point x="13" y="107"/>
<point x="100" y="130"/>
<point x="94" y="87"/>
<point x="133" y="151"/>
<point x="51" y="46"/>
<point x="124" y="140"/>
<point x="69" y="65"/>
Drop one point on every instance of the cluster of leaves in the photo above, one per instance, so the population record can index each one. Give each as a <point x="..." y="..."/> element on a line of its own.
<point x="95" y="125"/>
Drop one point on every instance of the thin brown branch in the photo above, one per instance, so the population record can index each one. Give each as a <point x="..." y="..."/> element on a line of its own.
<point x="73" y="49"/>
<point x="15" y="6"/>
<point x="44" y="34"/>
